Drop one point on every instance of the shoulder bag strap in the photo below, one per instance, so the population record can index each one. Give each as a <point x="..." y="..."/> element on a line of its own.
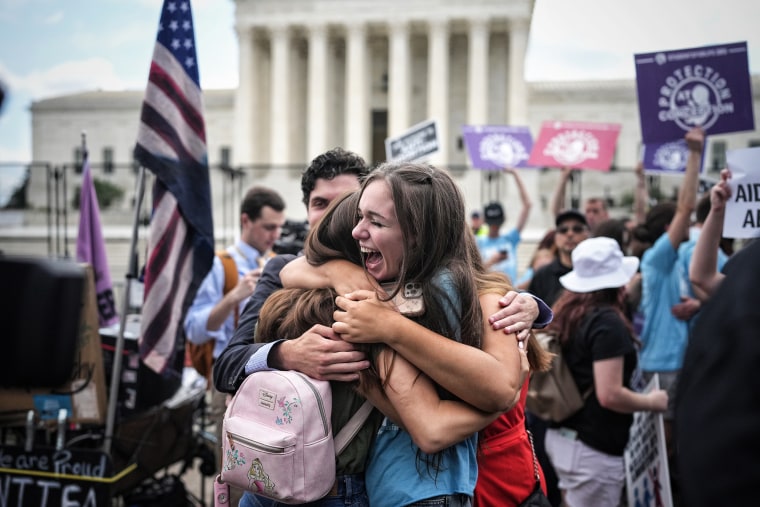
<point x="349" y="431"/>
<point x="535" y="461"/>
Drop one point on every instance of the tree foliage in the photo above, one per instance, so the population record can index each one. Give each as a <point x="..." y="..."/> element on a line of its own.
<point x="18" y="198"/>
<point x="107" y="193"/>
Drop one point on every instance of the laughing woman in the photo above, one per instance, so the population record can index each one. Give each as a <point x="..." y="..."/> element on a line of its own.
<point x="506" y="470"/>
<point x="403" y="212"/>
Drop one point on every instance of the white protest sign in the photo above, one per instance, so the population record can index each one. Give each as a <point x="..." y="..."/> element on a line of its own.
<point x="742" y="218"/>
<point x="646" y="459"/>
<point x="416" y="144"/>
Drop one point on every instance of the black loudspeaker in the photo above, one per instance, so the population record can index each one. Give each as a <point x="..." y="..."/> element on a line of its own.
<point x="41" y="307"/>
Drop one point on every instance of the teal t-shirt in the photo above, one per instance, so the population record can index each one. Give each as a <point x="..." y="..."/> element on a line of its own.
<point x="664" y="277"/>
<point x="663" y="337"/>
<point x="398" y="473"/>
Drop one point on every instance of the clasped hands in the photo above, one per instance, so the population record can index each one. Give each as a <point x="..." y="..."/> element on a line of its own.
<point x="361" y="311"/>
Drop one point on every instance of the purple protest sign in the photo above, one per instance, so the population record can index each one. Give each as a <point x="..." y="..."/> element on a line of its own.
<point x="667" y="158"/>
<point x="706" y="86"/>
<point x="494" y="147"/>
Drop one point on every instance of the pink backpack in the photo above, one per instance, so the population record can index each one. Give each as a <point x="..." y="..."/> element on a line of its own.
<point x="277" y="439"/>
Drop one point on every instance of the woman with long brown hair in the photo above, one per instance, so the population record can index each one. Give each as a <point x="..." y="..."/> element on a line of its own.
<point x="508" y="474"/>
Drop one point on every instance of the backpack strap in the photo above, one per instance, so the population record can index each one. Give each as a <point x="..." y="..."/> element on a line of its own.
<point x="230" y="274"/>
<point x="201" y="357"/>
<point x="351" y="428"/>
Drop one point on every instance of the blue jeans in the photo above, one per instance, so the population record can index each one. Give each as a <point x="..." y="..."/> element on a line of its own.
<point x="445" y="501"/>
<point x="351" y="493"/>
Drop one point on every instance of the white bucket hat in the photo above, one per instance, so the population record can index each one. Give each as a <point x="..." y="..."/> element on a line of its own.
<point x="598" y="264"/>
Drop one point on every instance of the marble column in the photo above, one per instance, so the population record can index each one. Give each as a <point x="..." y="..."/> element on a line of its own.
<point x="517" y="111"/>
<point x="316" y="134"/>
<point x="357" y="121"/>
<point x="399" y="88"/>
<point x="517" y="114"/>
<point x="438" y="85"/>
<point x="243" y="136"/>
<point x="279" y="92"/>
<point x="477" y="72"/>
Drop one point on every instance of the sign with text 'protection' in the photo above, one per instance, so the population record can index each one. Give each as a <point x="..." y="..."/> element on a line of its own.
<point x="494" y="147"/>
<point x="578" y="145"/>
<point x="706" y="87"/>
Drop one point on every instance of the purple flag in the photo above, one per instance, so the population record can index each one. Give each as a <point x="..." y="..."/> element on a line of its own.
<point x="92" y="249"/>
<point x="171" y="143"/>
<point x="708" y="87"/>
<point x="494" y="147"/>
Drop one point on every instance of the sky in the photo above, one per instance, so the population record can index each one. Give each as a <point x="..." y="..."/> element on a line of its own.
<point x="55" y="47"/>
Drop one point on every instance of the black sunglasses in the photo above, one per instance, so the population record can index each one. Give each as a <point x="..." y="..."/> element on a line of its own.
<point x="577" y="229"/>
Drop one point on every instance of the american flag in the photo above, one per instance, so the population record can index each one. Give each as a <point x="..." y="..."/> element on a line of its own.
<point x="171" y="142"/>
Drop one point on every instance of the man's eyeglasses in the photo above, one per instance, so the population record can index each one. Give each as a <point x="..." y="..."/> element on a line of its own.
<point x="577" y="229"/>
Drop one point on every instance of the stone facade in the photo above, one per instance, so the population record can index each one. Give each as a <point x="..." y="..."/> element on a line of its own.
<point x="315" y="74"/>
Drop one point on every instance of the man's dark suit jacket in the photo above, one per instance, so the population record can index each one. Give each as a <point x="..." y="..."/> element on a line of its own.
<point x="229" y="367"/>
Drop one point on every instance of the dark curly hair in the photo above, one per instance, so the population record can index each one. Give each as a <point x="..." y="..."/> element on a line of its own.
<point x="328" y="165"/>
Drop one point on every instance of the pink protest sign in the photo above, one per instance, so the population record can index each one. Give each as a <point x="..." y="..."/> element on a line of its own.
<point x="580" y="145"/>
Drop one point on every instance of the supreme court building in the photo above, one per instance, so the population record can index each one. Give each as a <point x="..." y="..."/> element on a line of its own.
<point x="315" y="74"/>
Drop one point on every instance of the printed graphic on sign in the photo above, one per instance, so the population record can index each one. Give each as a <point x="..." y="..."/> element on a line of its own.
<point x="742" y="218"/>
<point x="416" y="144"/>
<point x="579" y="145"/>
<point x="669" y="158"/>
<point x="646" y="459"/>
<point x="706" y="87"/>
<point x="494" y="147"/>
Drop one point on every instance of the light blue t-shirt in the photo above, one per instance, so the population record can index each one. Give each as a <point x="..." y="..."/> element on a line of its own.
<point x="663" y="336"/>
<point x="398" y="473"/>
<point x="505" y="242"/>
<point x="665" y="278"/>
<point x="685" y="253"/>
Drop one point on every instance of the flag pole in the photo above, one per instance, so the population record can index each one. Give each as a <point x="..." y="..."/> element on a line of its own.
<point x="113" y="396"/>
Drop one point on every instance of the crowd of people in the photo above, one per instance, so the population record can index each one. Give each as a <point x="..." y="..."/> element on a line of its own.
<point x="448" y="376"/>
